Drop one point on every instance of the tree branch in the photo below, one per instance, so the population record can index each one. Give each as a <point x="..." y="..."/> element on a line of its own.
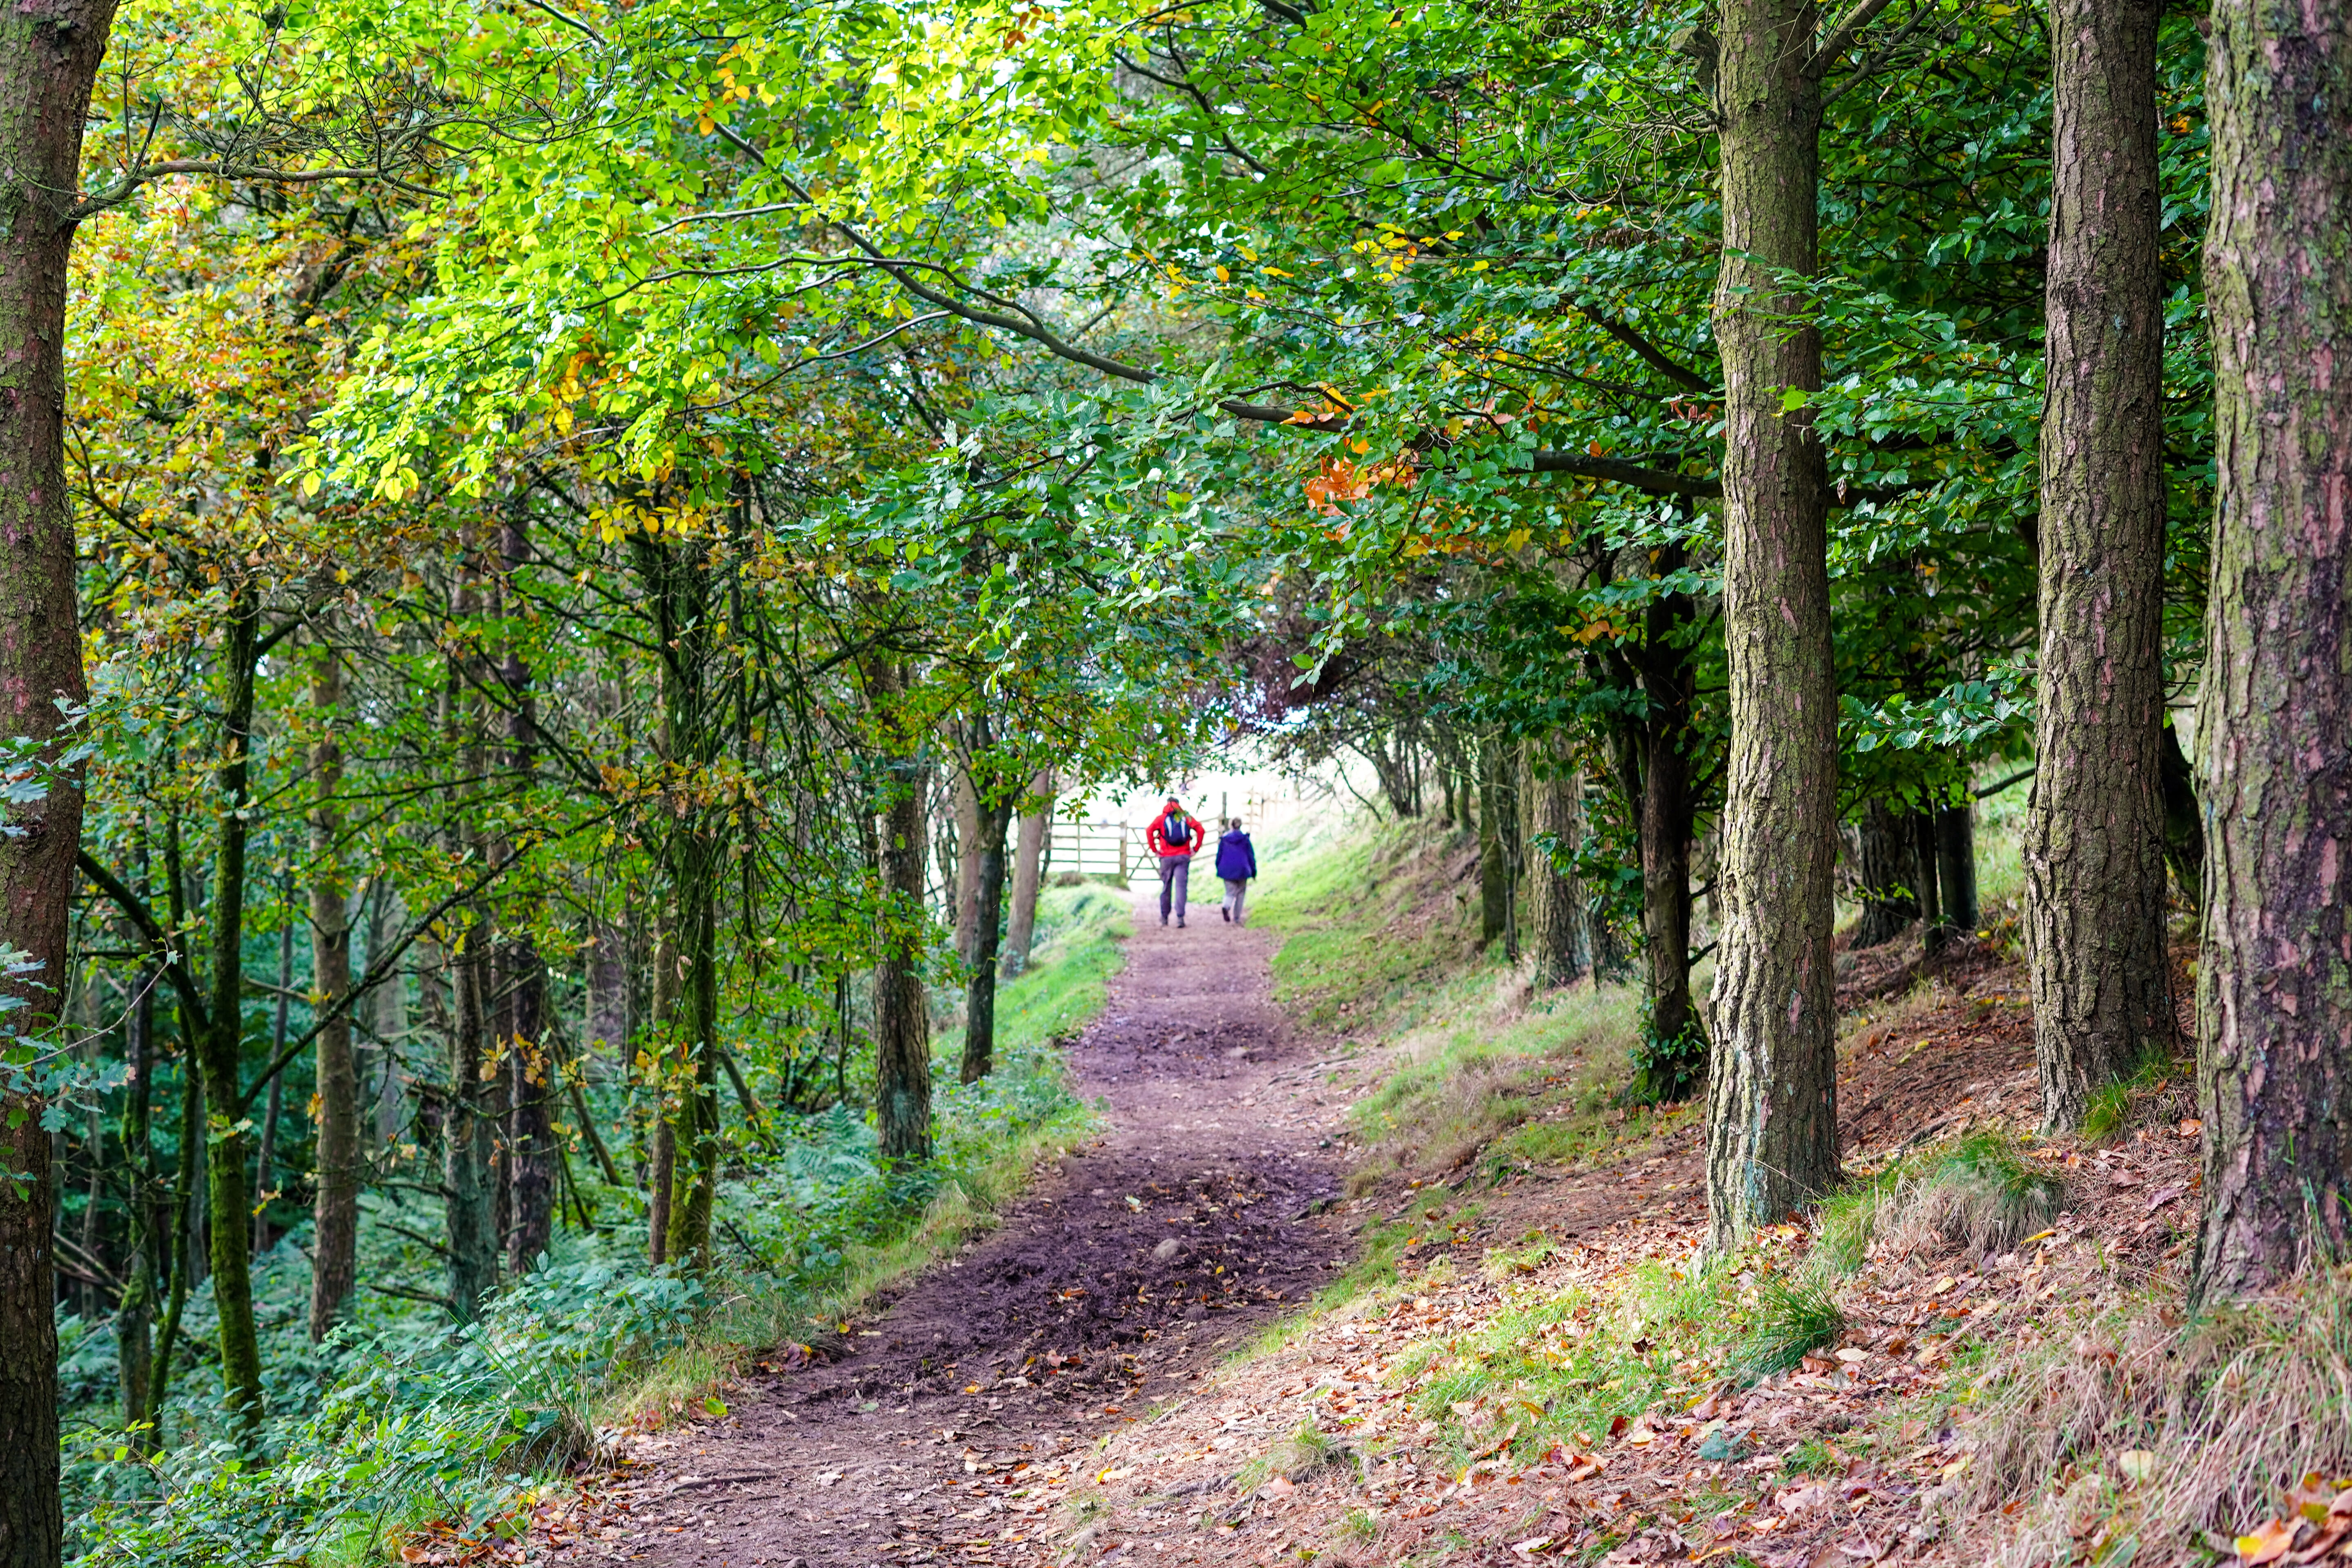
<point x="1842" y="37"/>
<point x="135" y="907"/>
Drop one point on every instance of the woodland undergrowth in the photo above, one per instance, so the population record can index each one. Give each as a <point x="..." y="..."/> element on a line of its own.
<point x="410" y="1432"/>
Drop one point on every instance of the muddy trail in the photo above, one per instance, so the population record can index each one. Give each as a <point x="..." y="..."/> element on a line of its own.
<point x="1114" y="1285"/>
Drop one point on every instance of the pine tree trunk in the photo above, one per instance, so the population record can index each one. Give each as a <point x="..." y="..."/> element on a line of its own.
<point x="1028" y="875"/>
<point x="902" y="1025"/>
<point x="1560" y="932"/>
<point x="223" y="1034"/>
<point x="49" y="57"/>
<point x="335" y="1206"/>
<point x="2094" y="842"/>
<point x="2274" y="745"/>
<point x="1889" y="876"/>
<point x="1772" y="1095"/>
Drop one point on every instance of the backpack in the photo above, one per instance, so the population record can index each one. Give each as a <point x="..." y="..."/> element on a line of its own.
<point x="1175" y="832"/>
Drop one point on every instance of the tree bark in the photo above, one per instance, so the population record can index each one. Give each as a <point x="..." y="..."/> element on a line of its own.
<point x="135" y="1315"/>
<point x="2184" y="827"/>
<point x="1028" y="874"/>
<point x="2094" y="842"/>
<point x="49" y="57"/>
<point x="1669" y="688"/>
<point x="1560" y="932"/>
<point x="468" y="1135"/>
<point x="901" y="1016"/>
<point x="1772" y="1095"/>
<point x="531" y="1073"/>
<point x="224" y="1033"/>
<point x="979" y="990"/>
<point x="335" y="1206"/>
<point x="1494" y="865"/>
<point x="1889" y="877"/>
<point x="530" y="1121"/>
<point x="662" y="1160"/>
<point x="966" y="866"/>
<point x="2274" y="755"/>
<point x="1955" y="864"/>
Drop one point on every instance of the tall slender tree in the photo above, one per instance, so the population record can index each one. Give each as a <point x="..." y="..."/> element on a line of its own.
<point x="334" y="1238"/>
<point x="49" y="59"/>
<point x="1772" y="1078"/>
<point x="2275" y="714"/>
<point x="2094" y="831"/>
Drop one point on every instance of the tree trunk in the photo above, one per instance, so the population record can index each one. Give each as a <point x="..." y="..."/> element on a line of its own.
<point x="662" y="1160"/>
<point x="335" y="1206"/>
<point x="223" y="1034"/>
<point x="2094" y="842"/>
<point x="1560" y="932"/>
<point x="1493" y="868"/>
<point x="1670" y="687"/>
<point x="531" y="1073"/>
<point x="967" y="865"/>
<point x="902" y="1026"/>
<point x="134" y="1314"/>
<point x="1772" y="1098"/>
<point x="468" y="1135"/>
<point x="265" y="1161"/>
<point x="389" y="1005"/>
<point x="695" y="1186"/>
<point x="2275" y="752"/>
<point x="1889" y="877"/>
<point x="1931" y="900"/>
<point x="49" y="57"/>
<point x="979" y="991"/>
<point x="2184" y="828"/>
<point x="1028" y="874"/>
<point x="1956" y="862"/>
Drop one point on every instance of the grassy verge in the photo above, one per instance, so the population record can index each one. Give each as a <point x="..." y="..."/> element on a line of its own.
<point x="1380" y="936"/>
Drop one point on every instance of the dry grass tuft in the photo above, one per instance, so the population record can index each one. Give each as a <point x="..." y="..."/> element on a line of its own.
<point x="2145" y="1439"/>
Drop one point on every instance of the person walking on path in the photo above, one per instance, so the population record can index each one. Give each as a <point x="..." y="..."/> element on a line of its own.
<point x="1236" y="862"/>
<point x="1175" y="838"/>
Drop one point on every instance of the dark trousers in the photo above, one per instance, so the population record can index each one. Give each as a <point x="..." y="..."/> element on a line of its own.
<point x="1175" y="876"/>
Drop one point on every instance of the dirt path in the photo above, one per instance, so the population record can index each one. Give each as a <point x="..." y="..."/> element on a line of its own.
<point x="1122" y="1275"/>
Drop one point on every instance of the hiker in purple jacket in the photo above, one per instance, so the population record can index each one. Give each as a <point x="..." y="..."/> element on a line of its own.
<point x="1236" y="862"/>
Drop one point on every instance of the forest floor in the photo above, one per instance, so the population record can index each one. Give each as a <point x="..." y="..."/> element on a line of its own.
<point x="1422" y="1294"/>
<point x="1112" y="1287"/>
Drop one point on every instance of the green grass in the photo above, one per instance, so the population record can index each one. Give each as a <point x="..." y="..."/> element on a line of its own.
<point x="1793" y="1319"/>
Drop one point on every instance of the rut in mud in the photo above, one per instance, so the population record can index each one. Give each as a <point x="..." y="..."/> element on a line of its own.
<point x="1122" y="1275"/>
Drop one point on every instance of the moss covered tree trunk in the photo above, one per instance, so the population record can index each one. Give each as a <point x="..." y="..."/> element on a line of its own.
<point x="902" y="1029"/>
<point x="1772" y="1095"/>
<point x="2094" y="843"/>
<point x="335" y="1203"/>
<point x="49" y="57"/>
<point x="2275" y="715"/>
<point x="987" y="902"/>
<point x="222" y="1044"/>
<point x="1670" y="684"/>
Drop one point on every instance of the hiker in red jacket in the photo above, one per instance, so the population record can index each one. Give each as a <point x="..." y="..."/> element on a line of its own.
<point x="1175" y="838"/>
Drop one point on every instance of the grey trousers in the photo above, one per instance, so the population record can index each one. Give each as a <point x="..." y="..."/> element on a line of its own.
<point x="1175" y="877"/>
<point x="1236" y="889"/>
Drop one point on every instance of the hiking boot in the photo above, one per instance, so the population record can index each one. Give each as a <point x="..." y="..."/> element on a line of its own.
<point x="1179" y="922"/>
